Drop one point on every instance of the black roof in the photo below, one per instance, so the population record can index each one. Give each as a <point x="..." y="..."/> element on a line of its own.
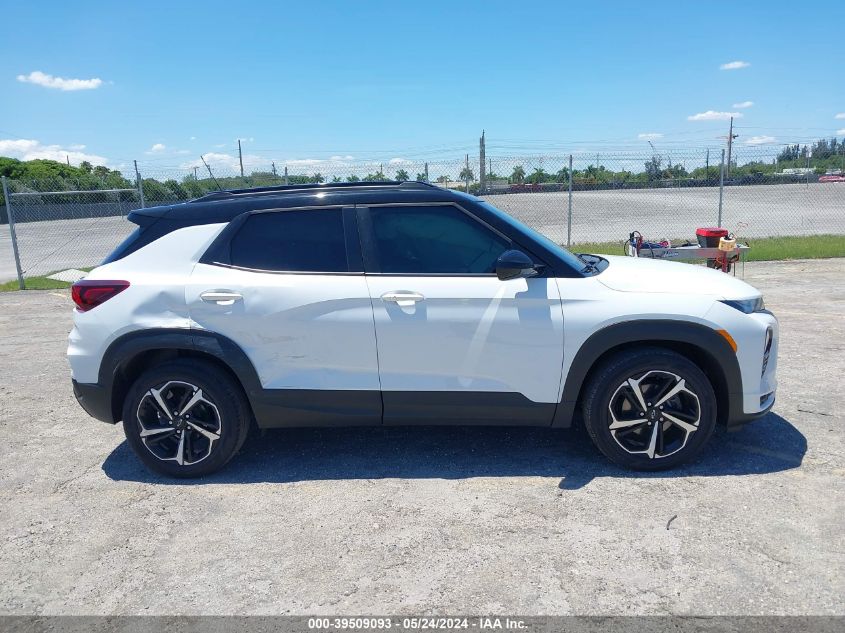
<point x="223" y="206"/>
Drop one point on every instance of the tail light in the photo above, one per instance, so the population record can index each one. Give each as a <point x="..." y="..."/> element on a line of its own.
<point x="89" y="293"/>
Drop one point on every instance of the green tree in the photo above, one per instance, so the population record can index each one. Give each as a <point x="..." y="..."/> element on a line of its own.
<point x="653" y="168"/>
<point x="466" y="174"/>
<point x="318" y="178"/>
<point x="402" y="175"/>
<point x="518" y="175"/>
<point x="538" y="176"/>
<point x="421" y="177"/>
<point x="352" y="178"/>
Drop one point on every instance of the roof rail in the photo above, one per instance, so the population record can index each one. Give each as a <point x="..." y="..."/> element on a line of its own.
<point x="255" y="191"/>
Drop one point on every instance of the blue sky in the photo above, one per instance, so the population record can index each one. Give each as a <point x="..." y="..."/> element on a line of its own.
<point x="410" y="80"/>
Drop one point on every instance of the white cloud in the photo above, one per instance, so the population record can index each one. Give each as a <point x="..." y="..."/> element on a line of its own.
<point x="339" y="158"/>
<point x="396" y="161"/>
<point x="743" y="104"/>
<point x="157" y="148"/>
<point x="760" y="140"/>
<point x="183" y="151"/>
<point x="712" y="115"/>
<point x="734" y="65"/>
<point x="193" y="138"/>
<point x="227" y="164"/>
<point x="60" y="83"/>
<point x="841" y="115"/>
<point x="649" y="136"/>
<point x="30" y="149"/>
<point x="840" y="132"/>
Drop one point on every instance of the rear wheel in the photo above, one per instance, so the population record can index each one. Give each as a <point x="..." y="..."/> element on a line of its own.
<point x="185" y="418"/>
<point x="649" y="409"/>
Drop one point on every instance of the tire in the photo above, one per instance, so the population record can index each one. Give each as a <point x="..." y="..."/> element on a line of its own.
<point x="648" y="437"/>
<point x="205" y="437"/>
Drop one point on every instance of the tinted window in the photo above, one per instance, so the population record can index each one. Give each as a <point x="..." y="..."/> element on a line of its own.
<point x="440" y="239"/>
<point x="291" y="240"/>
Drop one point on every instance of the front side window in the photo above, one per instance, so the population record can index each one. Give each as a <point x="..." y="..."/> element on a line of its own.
<point x="434" y="240"/>
<point x="296" y="241"/>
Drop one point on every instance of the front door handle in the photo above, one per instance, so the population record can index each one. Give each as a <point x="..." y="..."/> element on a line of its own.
<point x="221" y="297"/>
<point x="403" y="298"/>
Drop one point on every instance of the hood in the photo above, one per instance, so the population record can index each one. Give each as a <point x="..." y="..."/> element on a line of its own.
<point x="642" y="274"/>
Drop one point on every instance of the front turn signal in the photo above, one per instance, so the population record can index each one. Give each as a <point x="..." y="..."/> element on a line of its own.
<point x="730" y="339"/>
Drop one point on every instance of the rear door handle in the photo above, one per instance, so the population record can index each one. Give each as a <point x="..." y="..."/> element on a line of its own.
<point x="402" y="298"/>
<point x="221" y="297"/>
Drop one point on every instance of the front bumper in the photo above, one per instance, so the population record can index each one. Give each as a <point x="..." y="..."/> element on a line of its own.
<point x="95" y="399"/>
<point x="739" y="418"/>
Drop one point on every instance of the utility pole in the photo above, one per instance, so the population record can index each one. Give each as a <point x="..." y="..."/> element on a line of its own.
<point x="427" y="179"/>
<point x="731" y="137"/>
<point x="139" y="183"/>
<point x="721" y="187"/>
<point x="286" y="175"/>
<point x="466" y="175"/>
<point x="481" y="163"/>
<point x="569" y="210"/>
<point x="809" y="154"/>
<point x="202" y="158"/>
<point x="274" y="169"/>
<point x="707" y="165"/>
<point x="68" y="160"/>
<point x="195" y="173"/>
<point x="241" y="158"/>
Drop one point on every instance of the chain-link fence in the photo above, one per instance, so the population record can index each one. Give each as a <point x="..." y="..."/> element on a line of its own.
<point x="582" y="198"/>
<point x="54" y="226"/>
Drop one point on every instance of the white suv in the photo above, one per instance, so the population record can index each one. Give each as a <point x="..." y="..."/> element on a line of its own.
<point x="403" y="303"/>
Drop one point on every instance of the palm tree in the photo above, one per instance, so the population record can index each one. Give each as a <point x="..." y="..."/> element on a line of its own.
<point x="402" y="175"/>
<point x="518" y="174"/>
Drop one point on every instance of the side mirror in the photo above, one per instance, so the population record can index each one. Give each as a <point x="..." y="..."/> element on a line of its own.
<point x="513" y="265"/>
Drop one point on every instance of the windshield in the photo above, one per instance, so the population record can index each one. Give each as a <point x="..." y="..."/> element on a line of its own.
<point x="570" y="258"/>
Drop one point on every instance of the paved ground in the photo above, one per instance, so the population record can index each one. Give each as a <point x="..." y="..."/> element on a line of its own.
<point x="752" y="211"/>
<point x="755" y="211"/>
<point x="428" y="520"/>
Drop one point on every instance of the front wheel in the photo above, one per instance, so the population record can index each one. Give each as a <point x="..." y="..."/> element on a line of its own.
<point x="649" y="409"/>
<point x="185" y="418"/>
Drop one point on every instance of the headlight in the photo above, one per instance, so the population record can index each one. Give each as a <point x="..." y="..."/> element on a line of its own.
<point x="746" y="305"/>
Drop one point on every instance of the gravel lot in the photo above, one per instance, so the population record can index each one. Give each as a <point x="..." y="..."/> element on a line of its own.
<point x="428" y="520"/>
<point x="750" y="211"/>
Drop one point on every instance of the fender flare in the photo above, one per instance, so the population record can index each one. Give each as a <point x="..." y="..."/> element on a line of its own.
<point x="124" y="349"/>
<point x="720" y="357"/>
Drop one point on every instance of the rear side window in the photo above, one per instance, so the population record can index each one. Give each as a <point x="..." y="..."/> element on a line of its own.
<point x="296" y="241"/>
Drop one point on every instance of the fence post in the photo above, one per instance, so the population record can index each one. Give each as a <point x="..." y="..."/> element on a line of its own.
<point x="721" y="186"/>
<point x="569" y="213"/>
<point x="140" y="184"/>
<point x="10" y="214"/>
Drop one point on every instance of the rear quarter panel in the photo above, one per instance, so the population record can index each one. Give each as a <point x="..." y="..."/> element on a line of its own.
<point x="155" y="298"/>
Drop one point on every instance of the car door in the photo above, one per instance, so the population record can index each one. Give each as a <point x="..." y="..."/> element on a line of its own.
<point x="287" y="286"/>
<point x="455" y="343"/>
